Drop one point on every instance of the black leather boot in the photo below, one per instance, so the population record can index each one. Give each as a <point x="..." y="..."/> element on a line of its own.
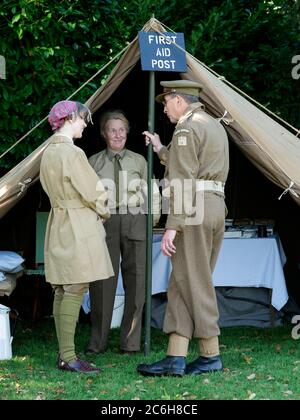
<point x="170" y="365"/>
<point x="204" y="365"/>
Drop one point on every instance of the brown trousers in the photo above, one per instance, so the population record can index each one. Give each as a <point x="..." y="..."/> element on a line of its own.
<point x="192" y="306"/>
<point x="126" y="237"/>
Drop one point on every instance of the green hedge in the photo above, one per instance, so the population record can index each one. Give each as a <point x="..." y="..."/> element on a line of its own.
<point x="51" y="48"/>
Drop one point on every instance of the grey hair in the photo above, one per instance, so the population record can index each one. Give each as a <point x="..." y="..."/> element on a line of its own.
<point x="190" y="99"/>
<point x="115" y="114"/>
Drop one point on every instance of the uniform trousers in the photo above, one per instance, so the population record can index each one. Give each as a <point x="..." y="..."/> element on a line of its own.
<point x="125" y="237"/>
<point x="192" y="306"/>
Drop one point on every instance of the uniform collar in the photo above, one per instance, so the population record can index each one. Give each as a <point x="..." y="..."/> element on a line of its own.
<point x="61" y="138"/>
<point x="196" y="106"/>
<point x="111" y="153"/>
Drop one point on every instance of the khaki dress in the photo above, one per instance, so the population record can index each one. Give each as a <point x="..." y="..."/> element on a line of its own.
<point x="75" y="247"/>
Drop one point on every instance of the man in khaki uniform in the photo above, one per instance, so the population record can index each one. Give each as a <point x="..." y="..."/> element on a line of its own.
<point x="124" y="174"/>
<point x="197" y="162"/>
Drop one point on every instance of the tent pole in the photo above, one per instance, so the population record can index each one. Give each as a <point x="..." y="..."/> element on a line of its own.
<point x="151" y="116"/>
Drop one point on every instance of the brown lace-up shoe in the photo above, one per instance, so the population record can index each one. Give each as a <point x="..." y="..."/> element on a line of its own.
<point x="79" y="366"/>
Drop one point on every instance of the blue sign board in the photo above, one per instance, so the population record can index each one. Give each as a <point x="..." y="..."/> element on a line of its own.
<point x="161" y="52"/>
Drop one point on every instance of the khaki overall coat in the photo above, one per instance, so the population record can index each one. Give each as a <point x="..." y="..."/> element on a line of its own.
<point x="75" y="247"/>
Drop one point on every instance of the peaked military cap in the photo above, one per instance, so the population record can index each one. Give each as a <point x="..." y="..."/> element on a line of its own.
<point x="187" y="87"/>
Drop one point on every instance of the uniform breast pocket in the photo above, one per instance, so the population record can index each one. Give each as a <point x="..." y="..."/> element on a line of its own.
<point x="133" y="178"/>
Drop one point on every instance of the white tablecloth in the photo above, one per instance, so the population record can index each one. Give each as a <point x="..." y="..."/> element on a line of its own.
<point x="255" y="262"/>
<point x="161" y="270"/>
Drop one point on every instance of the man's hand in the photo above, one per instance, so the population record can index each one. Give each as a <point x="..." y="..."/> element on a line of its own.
<point x="167" y="246"/>
<point x="154" y="140"/>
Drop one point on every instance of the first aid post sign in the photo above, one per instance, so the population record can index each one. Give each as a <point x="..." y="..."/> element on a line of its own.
<point x="161" y="52"/>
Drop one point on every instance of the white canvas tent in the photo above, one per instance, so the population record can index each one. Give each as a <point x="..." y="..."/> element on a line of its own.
<point x="273" y="149"/>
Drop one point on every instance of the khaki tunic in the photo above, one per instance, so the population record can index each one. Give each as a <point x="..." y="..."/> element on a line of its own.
<point x="199" y="150"/>
<point x="75" y="247"/>
<point x="133" y="185"/>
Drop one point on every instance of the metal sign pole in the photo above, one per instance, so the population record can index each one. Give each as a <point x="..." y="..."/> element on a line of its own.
<point x="159" y="52"/>
<point x="151" y="117"/>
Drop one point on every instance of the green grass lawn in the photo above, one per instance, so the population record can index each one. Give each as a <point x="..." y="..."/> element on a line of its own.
<point x="259" y="364"/>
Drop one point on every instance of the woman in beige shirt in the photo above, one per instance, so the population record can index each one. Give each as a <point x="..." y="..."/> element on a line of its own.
<point x="75" y="249"/>
<point x="124" y="174"/>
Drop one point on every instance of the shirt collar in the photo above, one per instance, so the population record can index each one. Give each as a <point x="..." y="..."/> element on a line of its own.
<point x="111" y="153"/>
<point x="61" y="138"/>
<point x="196" y="106"/>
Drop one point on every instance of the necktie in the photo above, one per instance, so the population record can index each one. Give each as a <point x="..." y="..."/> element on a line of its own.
<point x="117" y="169"/>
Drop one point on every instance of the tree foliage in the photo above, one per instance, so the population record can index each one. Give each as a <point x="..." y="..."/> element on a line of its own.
<point x="51" y="48"/>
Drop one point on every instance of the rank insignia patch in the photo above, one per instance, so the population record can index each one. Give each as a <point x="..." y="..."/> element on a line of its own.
<point x="182" y="141"/>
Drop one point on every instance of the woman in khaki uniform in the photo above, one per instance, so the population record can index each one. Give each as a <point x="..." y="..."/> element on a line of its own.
<point x="124" y="174"/>
<point x="75" y="250"/>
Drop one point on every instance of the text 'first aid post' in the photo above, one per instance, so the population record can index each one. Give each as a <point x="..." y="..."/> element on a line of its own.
<point x="162" y="52"/>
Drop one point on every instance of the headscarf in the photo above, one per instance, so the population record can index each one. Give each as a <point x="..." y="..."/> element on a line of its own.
<point x="60" y="111"/>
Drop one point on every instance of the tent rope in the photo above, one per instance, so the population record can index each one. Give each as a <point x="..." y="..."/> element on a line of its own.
<point x="223" y="78"/>
<point x="225" y="120"/>
<point x="289" y="189"/>
<point x="178" y="46"/>
<point x="22" y="138"/>
<point x="24" y="185"/>
<point x="71" y="96"/>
